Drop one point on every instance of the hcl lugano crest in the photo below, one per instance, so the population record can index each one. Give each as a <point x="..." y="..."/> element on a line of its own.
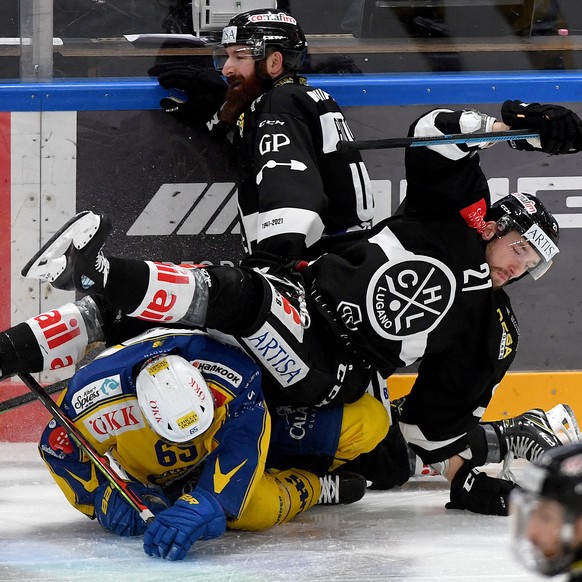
<point x="409" y="297"/>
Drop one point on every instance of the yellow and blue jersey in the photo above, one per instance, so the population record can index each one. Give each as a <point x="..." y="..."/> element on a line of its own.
<point x="101" y="401"/>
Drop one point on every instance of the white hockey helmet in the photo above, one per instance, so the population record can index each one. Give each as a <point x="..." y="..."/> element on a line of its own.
<point x="174" y="398"/>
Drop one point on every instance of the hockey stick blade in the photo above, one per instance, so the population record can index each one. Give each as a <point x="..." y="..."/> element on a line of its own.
<point x="99" y="462"/>
<point x="453" y="138"/>
<point x="28" y="397"/>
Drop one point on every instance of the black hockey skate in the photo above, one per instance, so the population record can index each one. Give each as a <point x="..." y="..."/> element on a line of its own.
<point x="534" y="432"/>
<point x="528" y="435"/>
<point x="72" y="258"/>
<point x="341" y="488"/>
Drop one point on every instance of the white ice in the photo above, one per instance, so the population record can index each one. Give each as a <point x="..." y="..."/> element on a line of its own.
<point x="396" y="536"/>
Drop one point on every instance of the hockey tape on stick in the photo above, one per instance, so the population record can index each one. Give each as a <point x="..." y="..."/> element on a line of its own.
<point x="453" y="138"/>
<point x="87" y="448"/>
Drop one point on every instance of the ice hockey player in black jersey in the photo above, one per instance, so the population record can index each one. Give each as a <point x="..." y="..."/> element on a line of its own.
<point x="297" y="193"/>
<point x="425" y="286"/>
<point x="546" y="512"/>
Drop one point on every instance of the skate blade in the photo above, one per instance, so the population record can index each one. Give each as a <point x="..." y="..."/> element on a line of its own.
<point x="506" y="472"/>
<point x="50" y="261"/>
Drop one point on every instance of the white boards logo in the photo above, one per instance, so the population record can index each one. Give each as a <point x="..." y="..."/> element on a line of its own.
<point x="189" y="209"/>
<point x="203" y="208"/>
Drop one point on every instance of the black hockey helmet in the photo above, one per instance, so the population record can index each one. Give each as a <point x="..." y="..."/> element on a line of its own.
<point x="526" y="214"/>
<point x="556" y="478"/>
<point x="262" y="28"/>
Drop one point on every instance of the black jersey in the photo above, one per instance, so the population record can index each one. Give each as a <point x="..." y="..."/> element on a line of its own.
<point x="294" y="187"/>
<point x="447" y="180"/>
<point x="418" y="289"/>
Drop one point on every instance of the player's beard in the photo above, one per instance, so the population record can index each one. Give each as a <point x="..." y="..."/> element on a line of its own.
<point x="241" y="93"/>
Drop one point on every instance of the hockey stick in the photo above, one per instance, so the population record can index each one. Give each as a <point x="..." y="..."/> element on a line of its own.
<point x="453" y="138"/>
<point x="92" y="351"/>
<point x="27" y="397"/>
<point x="99" y="462"/>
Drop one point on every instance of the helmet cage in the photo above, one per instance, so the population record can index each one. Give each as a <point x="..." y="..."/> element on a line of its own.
<point x="556" y="478"/>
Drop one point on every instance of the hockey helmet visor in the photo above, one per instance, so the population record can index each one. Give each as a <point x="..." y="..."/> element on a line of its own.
<point x="250" y="33"/>
<point x="544" y="510"/>
<point x="527" y="215"/>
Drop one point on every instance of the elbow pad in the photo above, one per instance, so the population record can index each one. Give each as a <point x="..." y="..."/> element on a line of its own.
<point x="472" y="121"/>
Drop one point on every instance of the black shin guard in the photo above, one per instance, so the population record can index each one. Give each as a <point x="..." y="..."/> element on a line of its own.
<point x="387" y="465"/>
<point x="238" y="302"/>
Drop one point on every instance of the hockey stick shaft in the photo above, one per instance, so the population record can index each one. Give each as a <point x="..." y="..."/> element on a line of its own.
<point x="28" y="397"/>
<point x="87" y="447"/>
<point x="453" y="138"/>
<point x="22" y="399"/>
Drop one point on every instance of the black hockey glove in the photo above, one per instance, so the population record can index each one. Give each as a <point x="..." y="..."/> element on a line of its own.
<point x="560" y="128"/>
<point x="479" y="493"/>
<point x="204" y="91"/>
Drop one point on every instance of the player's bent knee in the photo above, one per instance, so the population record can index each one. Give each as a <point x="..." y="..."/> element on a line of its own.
<point x="365" y="423"/>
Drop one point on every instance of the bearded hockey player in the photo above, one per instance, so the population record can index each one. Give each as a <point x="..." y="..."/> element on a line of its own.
<point x="297" y="194"/>
<point x="424" y="286"/>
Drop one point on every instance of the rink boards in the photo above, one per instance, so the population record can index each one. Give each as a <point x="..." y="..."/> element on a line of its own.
<point x="171" y="194"/>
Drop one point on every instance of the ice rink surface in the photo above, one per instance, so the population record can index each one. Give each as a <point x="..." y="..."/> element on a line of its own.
<point x="394" y="536"/>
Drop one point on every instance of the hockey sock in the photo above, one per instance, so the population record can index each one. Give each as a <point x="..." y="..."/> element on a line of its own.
<point x="239" y="300"/>
<point x="277" y="498"/>
<point x="51" y="340"/>
<point x="228" y="299"/>
<point x="387" y="466"/>
<point x="127" y="283"/>
<point x="496" y="447"/>
<point x="485" y="445"/>
<point x="299" y="491"/>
